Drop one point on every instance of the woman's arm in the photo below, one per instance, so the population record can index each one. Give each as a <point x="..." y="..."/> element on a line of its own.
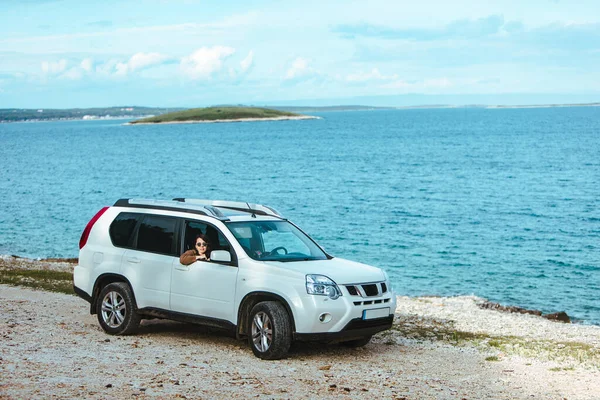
<point x="189" y="257"/>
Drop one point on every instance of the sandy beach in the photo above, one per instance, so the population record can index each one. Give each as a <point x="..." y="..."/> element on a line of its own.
<point x="439" y="348"/>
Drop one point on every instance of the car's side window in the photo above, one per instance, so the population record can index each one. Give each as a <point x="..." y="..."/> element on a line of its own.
<point x="122" y="229"/>
<point x="194" y="228"/>
<point x="157" y="235"/>
<point x="214" y="235"/>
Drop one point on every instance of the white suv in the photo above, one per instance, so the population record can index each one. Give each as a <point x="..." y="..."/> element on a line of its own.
<point x="266" y="279"/>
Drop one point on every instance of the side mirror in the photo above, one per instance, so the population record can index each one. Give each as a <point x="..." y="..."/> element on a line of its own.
<point x="220" y="256"/>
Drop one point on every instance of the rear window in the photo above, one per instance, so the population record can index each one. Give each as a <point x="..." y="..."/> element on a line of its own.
<point x="157" y="234"/>
<point x="122" y="228"/>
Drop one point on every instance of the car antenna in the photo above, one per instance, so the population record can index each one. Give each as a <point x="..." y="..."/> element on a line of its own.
<point x="250" y="208"/>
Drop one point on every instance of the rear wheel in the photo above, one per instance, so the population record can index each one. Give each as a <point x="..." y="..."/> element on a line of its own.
<point x="269" y="330"/>
<point x="116" y="309"/>
<point x="358" y="342"/>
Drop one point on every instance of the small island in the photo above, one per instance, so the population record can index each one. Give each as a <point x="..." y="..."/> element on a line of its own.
<point x="221" y="114"/>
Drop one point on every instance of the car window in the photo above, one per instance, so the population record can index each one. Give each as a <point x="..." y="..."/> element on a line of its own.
<point x="216" y="238"/>
<point x="274" y="238"/>
<point x="121" y="229"/>
<point x="275" y="241"/>
<point x="157" y="234"/>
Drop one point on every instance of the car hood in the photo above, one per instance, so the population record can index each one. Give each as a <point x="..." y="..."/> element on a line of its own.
<point x="341" y="271"/>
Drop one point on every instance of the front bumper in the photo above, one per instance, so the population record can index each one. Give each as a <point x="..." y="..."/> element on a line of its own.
<point x="346" y="318"/>
<point x="355" y="329"/>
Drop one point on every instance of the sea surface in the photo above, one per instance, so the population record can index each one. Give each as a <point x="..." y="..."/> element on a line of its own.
<point x="498" y="203"/>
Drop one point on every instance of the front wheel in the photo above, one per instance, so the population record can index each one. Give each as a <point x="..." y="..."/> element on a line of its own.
<point x="269" y="331"/>
<point x="116" y="309"/>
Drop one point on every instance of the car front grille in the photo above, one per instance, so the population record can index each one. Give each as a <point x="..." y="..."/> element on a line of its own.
<point x="367" y="289"/>
<point x="369" y="302"/>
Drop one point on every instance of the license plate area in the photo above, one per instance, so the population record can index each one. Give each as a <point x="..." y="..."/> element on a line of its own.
<point x="376" y="313"/>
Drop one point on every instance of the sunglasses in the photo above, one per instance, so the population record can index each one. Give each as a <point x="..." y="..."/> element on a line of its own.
<point x="199" y="244"/>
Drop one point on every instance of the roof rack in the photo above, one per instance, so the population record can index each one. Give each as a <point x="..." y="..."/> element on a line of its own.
<point x="171" y="205"/>
<point x="209" y="208"/>
<point x="253" y="208"/>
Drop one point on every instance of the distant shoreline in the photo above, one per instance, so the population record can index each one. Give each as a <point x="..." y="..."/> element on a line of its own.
<point x="549" y="106"/>
<point x="70" y="119"/>
<point x="498" y="106"/>
<point x="148" y="113"/>
<point x="225" y="120"/>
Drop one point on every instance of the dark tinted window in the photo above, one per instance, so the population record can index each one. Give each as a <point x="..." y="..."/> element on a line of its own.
<point x="156" y="234"/>
<point x="121" y="229"/>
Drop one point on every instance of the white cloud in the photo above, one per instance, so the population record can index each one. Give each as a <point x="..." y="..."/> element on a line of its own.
<point x="106" y="69"/>
<point x="78" y="71"/>
<point x="244" y="69"/>
<point x="87" y="65"/>
<point x="74" y="74"/>
<point x="246" y="63"/>
<point x="205" y="61"/>
<point x="54" y="68"/>
<point x="373" y="75"/>
<point x="144" y="60"/>
<point x="299" y="68"/>
<point x="121" y="69"/>
<point x="140" y="61"/>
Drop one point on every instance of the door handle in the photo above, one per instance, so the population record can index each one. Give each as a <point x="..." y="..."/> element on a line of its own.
<point x="134" y="260"/>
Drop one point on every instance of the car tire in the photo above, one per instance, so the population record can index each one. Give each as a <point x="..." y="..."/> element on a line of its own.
<point x="269" y="330"/>
<point x="116" y="309"/>
<point x="358" y="342"/>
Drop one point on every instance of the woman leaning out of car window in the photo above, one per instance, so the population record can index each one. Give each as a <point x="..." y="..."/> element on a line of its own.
<point x="200" y="252"/>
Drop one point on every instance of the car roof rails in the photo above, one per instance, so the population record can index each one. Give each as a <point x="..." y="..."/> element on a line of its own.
<point x="172" y="205"/>
<point x="259" y="209"/>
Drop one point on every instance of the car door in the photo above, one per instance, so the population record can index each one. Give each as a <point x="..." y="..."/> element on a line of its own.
<point x="150" y="262"/>
<point x="205" y="289"/>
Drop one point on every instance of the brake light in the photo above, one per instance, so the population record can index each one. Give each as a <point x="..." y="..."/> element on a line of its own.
<point x="88" y="227"/>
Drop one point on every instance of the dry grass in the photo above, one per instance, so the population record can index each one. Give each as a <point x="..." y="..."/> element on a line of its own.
<point x="53" y="281"/>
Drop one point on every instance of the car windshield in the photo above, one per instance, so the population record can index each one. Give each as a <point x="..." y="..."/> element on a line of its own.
<point x="275" y="241"/>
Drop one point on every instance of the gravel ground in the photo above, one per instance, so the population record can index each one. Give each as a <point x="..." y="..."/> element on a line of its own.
<point x="50" y="346"/>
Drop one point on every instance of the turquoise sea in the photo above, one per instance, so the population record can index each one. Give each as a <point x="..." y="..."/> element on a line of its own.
<point x="499" y="203"/>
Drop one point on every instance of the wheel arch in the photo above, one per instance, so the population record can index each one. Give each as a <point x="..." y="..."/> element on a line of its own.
<point x="101" y="282"/>
<point x="249" y="301"/>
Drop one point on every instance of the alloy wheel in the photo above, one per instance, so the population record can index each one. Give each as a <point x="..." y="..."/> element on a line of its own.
<point x="262" y="331"/>
<point x="113" y="309"/>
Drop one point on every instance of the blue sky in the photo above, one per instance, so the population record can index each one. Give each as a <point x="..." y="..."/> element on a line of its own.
<point x="58" y="54"/>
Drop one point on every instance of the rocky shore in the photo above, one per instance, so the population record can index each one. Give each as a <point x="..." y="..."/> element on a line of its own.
<point x="439" y="348"/>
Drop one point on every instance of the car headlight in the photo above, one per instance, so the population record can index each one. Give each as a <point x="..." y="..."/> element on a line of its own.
<point x="322" y="286"/>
